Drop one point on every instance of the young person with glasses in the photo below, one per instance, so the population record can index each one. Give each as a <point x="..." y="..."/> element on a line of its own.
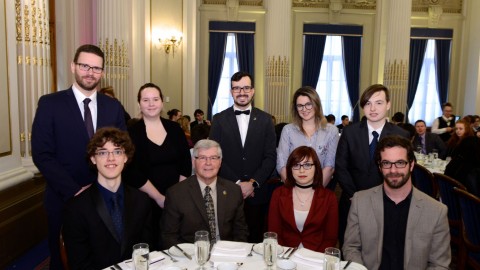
<point x="302" y="212"/>
<point x="310" y="128"/>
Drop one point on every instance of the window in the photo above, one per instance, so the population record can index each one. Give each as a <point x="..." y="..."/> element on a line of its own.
<point x="230" y="66"/>
<point x="332" y="86"/>
<point x="426" y="104"/>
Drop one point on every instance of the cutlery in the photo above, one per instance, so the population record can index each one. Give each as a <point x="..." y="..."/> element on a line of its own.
<point x="251" y="250"/>
<point x="170" y="256"/>
<point x="117" y="266"/>
<point x="284" y="254"/>
<point x="291" y="252"/>
<point x="183" y="251"/>
<point x="159" y="260"/>
<point x="347" y="264"/>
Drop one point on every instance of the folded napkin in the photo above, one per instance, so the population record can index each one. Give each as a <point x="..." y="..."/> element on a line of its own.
<point x="153" y="258"/>
<point x="231" y="249"/>
<point x="308" y="257"/>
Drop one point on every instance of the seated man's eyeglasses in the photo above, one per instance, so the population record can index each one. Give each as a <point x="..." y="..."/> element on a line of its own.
<point x="85" y="67"/>
<point x="205" y="158"/>
<point x="104" y="153"/>
<point x="306" y="166"/>
<point x="398" y="164"/>
<point x="237" y="89"/>
<point x="307" y="106"/>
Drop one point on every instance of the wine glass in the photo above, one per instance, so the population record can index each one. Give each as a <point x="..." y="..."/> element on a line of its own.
<point x="140" y="256"/>
<point x="270" y="249"/>
<point x="202" y="248"/>
<point x="332" y="259"/>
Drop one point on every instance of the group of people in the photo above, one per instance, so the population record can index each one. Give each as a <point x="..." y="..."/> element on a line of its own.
<point x="109" y="187"/>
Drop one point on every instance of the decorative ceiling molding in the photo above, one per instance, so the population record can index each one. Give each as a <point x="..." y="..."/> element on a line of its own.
<point x="258" y="3"/>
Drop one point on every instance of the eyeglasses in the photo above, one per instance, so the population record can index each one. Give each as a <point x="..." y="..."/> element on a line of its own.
<point x="398" y="164"/>
<point x="306" y="166"/>
<point x="307" y="106"/>
<point x="205" y="158"/>
<point x="85" y="67"/>
<point x="105" y="153"/>
<point x="237" y="89"/>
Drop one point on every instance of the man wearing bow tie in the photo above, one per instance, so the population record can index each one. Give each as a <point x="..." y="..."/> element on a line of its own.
<point x="247" y="136"/>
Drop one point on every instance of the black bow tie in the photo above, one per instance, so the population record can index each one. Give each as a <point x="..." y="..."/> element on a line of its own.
<point x="237" y="112"/>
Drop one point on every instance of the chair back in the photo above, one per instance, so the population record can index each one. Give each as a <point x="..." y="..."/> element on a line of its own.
<point x="63" y="252"/>
<point x="470" y="210"/>
<point x="423" y="180"/>
<point x="445" y="188"/>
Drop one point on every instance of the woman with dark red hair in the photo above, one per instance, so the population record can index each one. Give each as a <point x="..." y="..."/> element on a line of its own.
<point x="302" y="212"/>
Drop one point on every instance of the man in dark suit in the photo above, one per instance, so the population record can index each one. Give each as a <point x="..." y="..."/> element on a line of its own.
<point x="103" y="223"/>
<point x="187" y="203"/>
<point x="345" y="122"/>
<point x="63" y="125"/>
<point x="247" y="136"/>
<point x="198" y="114"/>
<point x="428" y="141"/>
<point x="355" y="168"/>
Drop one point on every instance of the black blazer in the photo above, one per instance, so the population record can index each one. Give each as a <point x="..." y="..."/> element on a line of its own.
<point x="89" y="234"/>
<point x="185" y="212"/>
<point x="256" y="159"/>
<point x="59" y="143"/>
<point x="354" y="169"/>
<point x="432" y="141"/>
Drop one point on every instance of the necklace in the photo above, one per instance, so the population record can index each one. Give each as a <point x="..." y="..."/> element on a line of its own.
<point x="302" y="203"/>
<point x="309" y="186"/>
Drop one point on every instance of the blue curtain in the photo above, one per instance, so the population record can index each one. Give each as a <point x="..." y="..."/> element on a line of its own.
<point x="442" y="66"/>
<point x="417" y="53"/>
<point x="312" y="59"/>
<point x="352" y="47"/>
<point x="218" y="41"/>
<point x="245" y="52"/>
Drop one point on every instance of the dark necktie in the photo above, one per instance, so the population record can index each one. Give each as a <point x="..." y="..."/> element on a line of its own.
<point x="373" y="144"/>
<point x="210" y="214"/>
<point x="117" y="215"/>
<point x="238" y="112"/>
<point x="422" y="141"/>
<point x="88" y="117"/>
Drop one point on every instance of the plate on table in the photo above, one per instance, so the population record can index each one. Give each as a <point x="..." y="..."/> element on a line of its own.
<point x="258" y="248"/>
<point x="187" y="247"/>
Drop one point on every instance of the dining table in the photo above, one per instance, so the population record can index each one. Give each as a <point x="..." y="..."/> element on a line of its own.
<point x="243" y="255"/>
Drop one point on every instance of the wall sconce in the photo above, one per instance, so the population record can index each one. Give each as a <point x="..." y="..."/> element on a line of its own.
<point x="170" y="44"/>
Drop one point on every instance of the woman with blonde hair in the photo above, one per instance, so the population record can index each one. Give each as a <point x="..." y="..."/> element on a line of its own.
<point x="310" y="128"/>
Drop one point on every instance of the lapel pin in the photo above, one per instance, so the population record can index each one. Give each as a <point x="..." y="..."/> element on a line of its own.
<point x="225" y="193"/>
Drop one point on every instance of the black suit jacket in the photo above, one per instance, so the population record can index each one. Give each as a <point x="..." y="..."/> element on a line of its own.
<point x="256" y="159"/>
<point x="432" y="141"/>
<point x="89" y="234"/>
<point x="59" y="143"/>
<point x="354" y="169"/>
<point x="185" y="212"/>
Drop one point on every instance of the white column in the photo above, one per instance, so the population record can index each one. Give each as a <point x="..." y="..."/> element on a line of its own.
<point x="472" y="39"/>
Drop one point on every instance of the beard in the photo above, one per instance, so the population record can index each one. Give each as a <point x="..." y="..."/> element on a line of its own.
<point x="242" y="104"/>
<point x="396" y="184"/>
<point x="86" y="85"/>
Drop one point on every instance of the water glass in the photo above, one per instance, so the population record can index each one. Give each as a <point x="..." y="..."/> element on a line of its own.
<point x="270" y="249"/>
<point x="332" y="259"/>
<point x="140" y="256"/>
<point x="202" y="248"/>
<point x="435" y="153"/>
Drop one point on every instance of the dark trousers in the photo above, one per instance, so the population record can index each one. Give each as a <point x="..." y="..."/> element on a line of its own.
<point x="54" y="227"/>
<point x="343" y="209"/>
<point x="256" y="217"/>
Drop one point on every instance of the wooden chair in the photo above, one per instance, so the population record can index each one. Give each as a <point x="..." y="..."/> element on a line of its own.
<point x="470" y="209"/>
<point x="445" y="186"/>
<point x="424" y="181"/>
<point x="63" y="253"/>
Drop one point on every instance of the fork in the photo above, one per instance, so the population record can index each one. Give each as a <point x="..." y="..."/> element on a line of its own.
<point x="170" y="256"/>
<point x="285" y="253"/>
<point x="251" y="250"/>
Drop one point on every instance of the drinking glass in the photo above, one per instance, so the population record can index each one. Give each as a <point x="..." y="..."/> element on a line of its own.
<point x="332" y="259"/>
<point x="270" y="249"/>
<point x="140" y="256"/>
<point x="435" y="153"/>
<point x="202" y="248"/>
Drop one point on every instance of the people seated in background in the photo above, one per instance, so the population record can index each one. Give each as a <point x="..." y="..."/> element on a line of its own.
<point x="204" y="201"/>
<point x="198" y="114"/>
<point x="428" y="141"/>
<point x="444" y="125"/>
<point x="174" y="114"/>
<point x="462" y="130"/>
<point x="101" y="225"/>
<point x="394" y="225"/>
<point x="331" y="119"/>
<point x="110" y="92"/>
<point x="302" y="212"/>
<point x="476" y="123"/>
<point x="185" y="125"/>
<point x="409" y="128"/>
<point x="398" y="118"/>
<point x="345" y="122"/>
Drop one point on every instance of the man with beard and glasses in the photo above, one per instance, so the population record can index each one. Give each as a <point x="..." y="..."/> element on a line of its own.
<point x="247" y="136"/>
<point x="394" y="225"/>
<point x="63" y="125"/>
